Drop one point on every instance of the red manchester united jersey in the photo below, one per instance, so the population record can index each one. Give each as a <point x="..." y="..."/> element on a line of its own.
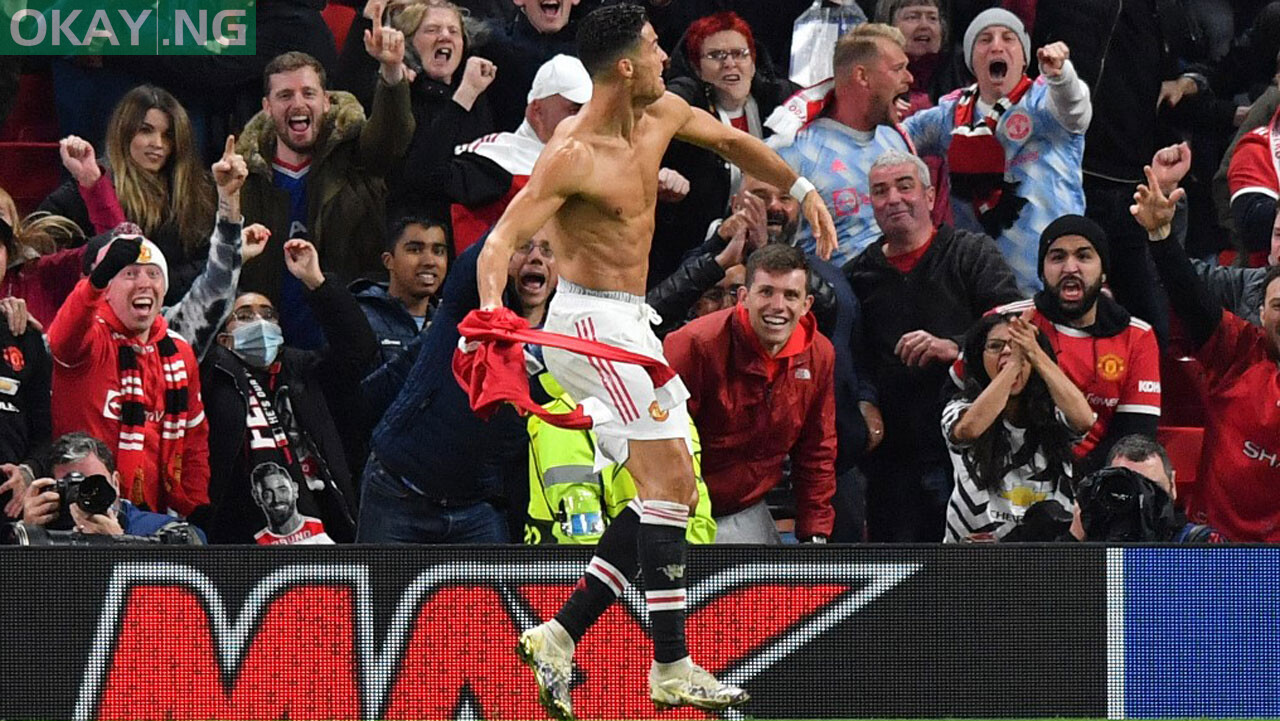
<point x="1253" y="167"/>
<point x="1241" y="461"/>
<point x="1117" y="374"/>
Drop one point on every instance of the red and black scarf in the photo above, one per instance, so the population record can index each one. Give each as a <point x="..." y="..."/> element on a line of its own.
<point x="132" y="450"/>
<point x="976" y="160"/>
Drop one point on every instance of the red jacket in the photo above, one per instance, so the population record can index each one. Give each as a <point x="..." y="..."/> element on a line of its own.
<point x="749" y="423"/>
<point x="84" y="338"/>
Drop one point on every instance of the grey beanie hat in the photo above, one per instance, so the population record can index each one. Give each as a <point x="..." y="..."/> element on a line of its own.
<point x="996" y="16"/>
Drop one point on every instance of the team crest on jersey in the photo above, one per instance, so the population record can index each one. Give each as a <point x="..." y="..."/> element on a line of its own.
<point x="13" y="356"/>
<point x="846" y="202"/>
<point x="1111" y="367"/>
<point x="1018" y="126"/>
<point x="656" y="412"/>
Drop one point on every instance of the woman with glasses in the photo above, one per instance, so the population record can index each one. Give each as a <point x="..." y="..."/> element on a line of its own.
<point x="716" y="67"/>
<point x="1010" y="429"/>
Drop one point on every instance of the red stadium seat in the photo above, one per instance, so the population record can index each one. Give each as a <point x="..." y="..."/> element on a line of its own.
<point x="1182" y="391"/>
<point x="34" y="118"/>
<point x="339" y="19"/>
<point x="30" y="167"/>
<point x="1184" y="445"/>
<point x="29" y="172"/>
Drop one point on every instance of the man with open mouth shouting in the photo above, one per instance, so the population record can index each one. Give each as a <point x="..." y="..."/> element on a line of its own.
<point x="1013" y="145"/>
<point x="1109" y="355"/>
<point x="317" y="169"/>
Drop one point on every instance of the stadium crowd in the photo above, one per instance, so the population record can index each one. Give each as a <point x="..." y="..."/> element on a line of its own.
<point x="1058" y="249"/>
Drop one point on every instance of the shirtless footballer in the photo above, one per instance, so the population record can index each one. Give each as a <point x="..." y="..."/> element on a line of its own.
<point x="595" y="188"/>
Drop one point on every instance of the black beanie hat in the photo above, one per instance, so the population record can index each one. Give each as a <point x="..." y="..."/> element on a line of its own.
<point x="1075" y="225"/>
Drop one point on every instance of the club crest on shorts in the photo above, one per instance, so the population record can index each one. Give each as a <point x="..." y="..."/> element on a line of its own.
<point x="656" y="412"/>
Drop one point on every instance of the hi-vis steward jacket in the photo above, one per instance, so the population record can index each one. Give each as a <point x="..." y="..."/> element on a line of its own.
<point x="568" y="501"/>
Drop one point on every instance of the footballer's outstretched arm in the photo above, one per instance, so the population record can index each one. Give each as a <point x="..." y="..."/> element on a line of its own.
<point x="757" y="159"/>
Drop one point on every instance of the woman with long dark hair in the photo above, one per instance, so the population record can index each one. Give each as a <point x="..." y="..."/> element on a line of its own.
<point x="1010" y="430"/>
<point x="153" y="177"/>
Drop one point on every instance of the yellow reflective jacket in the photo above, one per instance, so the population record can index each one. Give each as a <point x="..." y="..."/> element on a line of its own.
<point x="568" y="501"/>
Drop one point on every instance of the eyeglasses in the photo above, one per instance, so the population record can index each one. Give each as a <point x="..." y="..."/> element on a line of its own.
<point x="996" y="346"/>
<point x="721" y="294"/>
<point x="248" y="314"/>
<point x="527" y="248"/>
<point x="720" y="56"/>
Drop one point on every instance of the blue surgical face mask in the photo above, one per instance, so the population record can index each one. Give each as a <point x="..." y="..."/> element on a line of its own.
<point x="257" y="342"/>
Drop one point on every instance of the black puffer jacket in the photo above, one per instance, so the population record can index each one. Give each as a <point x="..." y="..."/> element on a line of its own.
<point x="708" y="174"/>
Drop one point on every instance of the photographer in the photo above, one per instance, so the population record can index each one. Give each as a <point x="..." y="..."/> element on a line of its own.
<point x="1132" y="499"/>
<point x="80" y="457"/>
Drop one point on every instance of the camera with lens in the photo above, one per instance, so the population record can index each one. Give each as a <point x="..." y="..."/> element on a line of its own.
<point x="93" y="494"/>
<point x="1119" y="505"/>
<point x="177" y="533"/>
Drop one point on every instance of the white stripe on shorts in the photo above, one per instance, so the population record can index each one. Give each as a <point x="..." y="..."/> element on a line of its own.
<point x="664" y="513"/>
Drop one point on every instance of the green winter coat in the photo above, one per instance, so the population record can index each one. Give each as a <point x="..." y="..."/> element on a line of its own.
<point x="346" y="189"/>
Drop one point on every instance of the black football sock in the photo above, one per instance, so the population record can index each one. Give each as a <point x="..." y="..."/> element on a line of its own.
<point x="662" y="550"/>
<point x="608" y="574"/>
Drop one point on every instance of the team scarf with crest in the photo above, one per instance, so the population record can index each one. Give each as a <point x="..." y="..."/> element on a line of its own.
<point x="133" y="419"/>
<point x="976" y="160"/>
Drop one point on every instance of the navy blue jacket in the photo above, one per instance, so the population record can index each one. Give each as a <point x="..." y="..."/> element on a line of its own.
<point x="137" y="522"/>
<point x="428" y="434"/>
<point x="851" y="386"/>
<point x="390" y="320"/>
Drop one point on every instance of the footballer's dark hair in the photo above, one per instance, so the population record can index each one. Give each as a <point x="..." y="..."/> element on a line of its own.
<point x="607" y="34"/>
<point x="777" y="258"/>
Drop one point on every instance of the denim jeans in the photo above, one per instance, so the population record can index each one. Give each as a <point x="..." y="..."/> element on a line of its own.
<point x="390" y="512"/>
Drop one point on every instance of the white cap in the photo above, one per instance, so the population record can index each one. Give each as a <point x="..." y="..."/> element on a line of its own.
<point x="562" y="75"/>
